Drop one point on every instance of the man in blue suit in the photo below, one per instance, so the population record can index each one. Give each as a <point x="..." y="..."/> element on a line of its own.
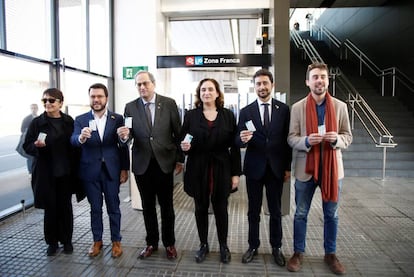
<point x="263" y="128"/>
<point x="104" y="164"/>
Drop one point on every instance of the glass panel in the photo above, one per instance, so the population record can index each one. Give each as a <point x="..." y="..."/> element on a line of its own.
<point x="72" y="32"/>
<point x="99" y="14"/>
<point x="22" y="84"/>
<point x="75" y="87"/>
<point x="28" y="27"/>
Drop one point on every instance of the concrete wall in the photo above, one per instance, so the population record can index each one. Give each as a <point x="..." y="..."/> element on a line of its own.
<point x="385" y="34"/>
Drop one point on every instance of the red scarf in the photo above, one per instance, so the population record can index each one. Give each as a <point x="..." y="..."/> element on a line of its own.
<point x="329" y="184"/>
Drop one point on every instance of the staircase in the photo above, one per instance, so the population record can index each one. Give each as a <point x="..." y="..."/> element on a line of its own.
<point x="363" y="158"/>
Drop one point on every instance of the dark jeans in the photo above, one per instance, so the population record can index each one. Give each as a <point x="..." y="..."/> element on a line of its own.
<point x="155" y="184"/>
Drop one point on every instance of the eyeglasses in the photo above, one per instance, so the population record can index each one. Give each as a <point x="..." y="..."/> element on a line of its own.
<point x="50" y="100"/>
<point x="145" y="83"/>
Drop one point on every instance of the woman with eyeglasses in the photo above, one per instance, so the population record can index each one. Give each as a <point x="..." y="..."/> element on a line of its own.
<point x="48" y="140"/>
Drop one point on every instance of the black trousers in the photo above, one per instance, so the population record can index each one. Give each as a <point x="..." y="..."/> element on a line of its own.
<point x="219" y="203"/>
<point x="58" y="217"/>
<point x="274" y="188"/>
<point x="155" y="184"/>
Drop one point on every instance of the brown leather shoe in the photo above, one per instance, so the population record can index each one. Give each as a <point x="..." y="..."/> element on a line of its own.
<point x="147" y="251"/>
<point x="171" y="252"/>
<point x="295" y="262"/>
<point x="116" y="249"/>
<point x="95" y="249"/>
<point x="334" y="265"/>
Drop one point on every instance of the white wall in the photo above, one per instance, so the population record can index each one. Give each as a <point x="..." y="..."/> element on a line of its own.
<point x="139" y="36"/>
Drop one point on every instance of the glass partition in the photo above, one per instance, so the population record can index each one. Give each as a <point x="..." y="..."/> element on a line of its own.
<point x="22" y="84"/>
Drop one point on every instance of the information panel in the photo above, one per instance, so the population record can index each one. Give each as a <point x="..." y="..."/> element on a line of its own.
<point x="242" y="60"/>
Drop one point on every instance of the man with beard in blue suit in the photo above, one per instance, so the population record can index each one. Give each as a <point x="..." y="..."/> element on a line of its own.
<point x="104" y="164"/>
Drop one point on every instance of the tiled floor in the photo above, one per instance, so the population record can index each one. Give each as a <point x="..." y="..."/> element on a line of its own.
<point x="376" y="238"/>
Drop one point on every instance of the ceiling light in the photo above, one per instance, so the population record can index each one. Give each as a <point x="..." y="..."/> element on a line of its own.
<point x="235" y="34"/>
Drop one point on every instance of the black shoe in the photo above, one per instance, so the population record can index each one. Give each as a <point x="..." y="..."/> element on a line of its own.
<point x="202" y="253"/>
<point x="225" y="255"/>
<point x="248" y="256"/>
<point x="52" y="249"/>
<point x="278" y="256"/>
<point x="68" y="248"/>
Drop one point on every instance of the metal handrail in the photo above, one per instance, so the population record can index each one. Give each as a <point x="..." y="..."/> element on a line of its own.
<point x="359" y="107"/>
<point x="311" y="51"/>
<point x="297" y="39"/>
<point x="394" y="72"/>
<point x="347" y="45"/>
<point x="372" y="123"/>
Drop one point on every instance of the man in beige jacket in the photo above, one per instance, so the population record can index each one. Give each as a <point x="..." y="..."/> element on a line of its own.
<point x="319" y="129"/>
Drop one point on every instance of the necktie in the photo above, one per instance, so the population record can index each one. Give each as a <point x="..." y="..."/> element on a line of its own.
<point x="266" y="118"/>
<point x="148" y="113"/>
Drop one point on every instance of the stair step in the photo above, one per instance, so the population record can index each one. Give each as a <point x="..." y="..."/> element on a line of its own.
<point x="378" y="155"/>
<point x="363" y="158"/>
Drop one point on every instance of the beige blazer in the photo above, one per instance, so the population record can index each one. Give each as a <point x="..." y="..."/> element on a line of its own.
<point x="297" y="136"/>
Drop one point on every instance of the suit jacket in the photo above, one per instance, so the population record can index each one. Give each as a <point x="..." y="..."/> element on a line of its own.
<point x="267" y="145"/>
<point x="110" y="150"/>
<point x="297" y="137"/>
<point x="162" y="139"/>
<point x="213" y="147"/>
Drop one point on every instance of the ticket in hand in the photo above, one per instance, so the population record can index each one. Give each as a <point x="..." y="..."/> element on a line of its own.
<point x="321" y="130"/>
<point x="250" y="126"/>
<point x="42" y="136"/>
<point x="128" y="122"/>
<point x="92" y="125"/>
<point x="188" y="138"/>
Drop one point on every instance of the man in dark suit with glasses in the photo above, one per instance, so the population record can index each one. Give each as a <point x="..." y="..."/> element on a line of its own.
<point x="156" y="155"/>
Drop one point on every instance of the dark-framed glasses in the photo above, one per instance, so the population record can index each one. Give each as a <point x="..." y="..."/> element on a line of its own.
<point x="50" y="100"/>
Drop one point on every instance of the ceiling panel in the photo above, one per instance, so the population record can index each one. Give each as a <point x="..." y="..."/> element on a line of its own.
<point x="209" y="31"/>
<point x="212" y="36"/>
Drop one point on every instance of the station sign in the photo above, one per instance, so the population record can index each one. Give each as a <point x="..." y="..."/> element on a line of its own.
<point x="241" y="60"/>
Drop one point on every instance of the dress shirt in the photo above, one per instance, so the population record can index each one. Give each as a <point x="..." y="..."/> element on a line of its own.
<point x="262" y="107"/>
<point x="100" y="123"/>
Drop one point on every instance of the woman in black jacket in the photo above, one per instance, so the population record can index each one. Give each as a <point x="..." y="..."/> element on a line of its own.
<point x="213" y="162"/>
<point x="48" y="140"/>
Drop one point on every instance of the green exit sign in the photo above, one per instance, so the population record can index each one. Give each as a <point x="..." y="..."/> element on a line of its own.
<point x="128" y="72"/>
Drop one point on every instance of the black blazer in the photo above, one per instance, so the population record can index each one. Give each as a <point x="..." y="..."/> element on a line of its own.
<point x="162" y="138"/>
<point x="216" y="148"/>
<point x="266" y="146"/>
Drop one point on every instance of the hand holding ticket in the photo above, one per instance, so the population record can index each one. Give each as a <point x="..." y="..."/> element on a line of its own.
<point x="128" y="122"/>
<point x="42" y="136"/>
<point x="92" y="125"/>
<point x="188" y="138"/>
<point x="250" y="126"/>
<point x="321" y="130"/>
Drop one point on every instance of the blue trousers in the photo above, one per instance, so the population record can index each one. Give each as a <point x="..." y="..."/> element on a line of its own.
<point x="304" y="192"/>
<point x="96" y="192"/>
